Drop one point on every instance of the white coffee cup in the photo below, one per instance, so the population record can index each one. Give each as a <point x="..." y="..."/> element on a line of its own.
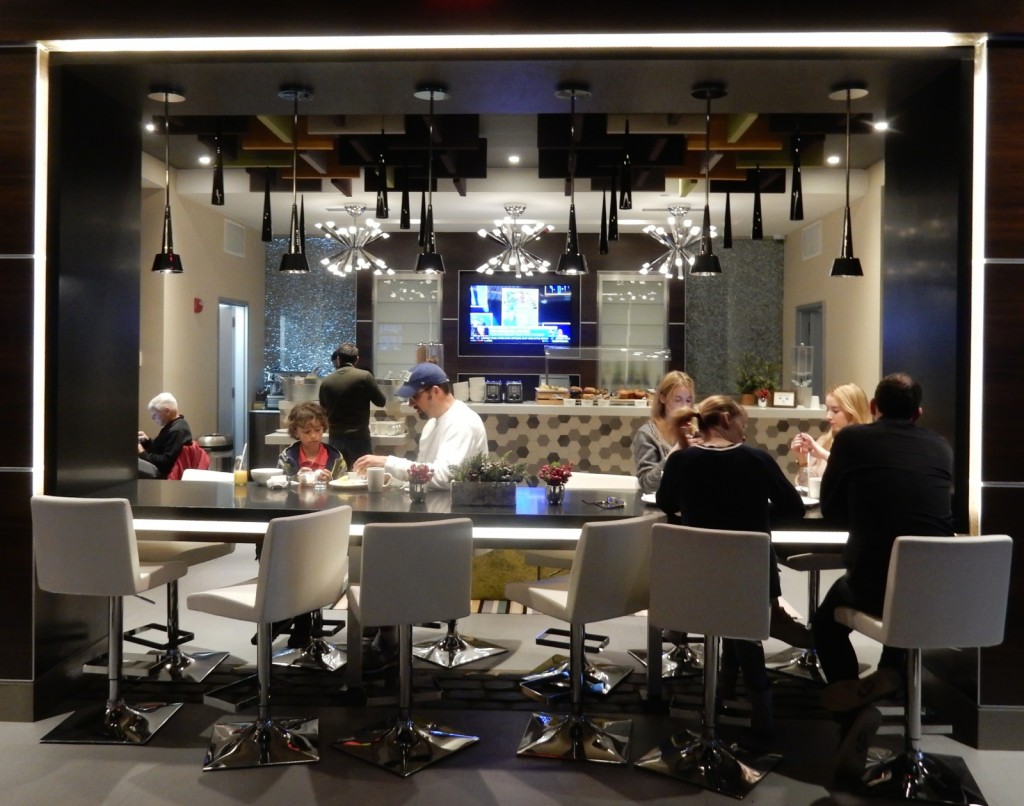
<point x="814" y="487"/>
<point x="375" y="479"/>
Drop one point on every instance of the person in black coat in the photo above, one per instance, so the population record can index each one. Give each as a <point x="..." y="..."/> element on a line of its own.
<point x="157" y="455"/>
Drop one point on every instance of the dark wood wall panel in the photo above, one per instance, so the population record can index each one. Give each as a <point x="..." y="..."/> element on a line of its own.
<point x="17" y="150"/>
<point x="16" y="312"/>
<point x="16" y="578"/>
<point x="1004" y="178"/>
<point x="1003" y="374"/>
<point x="1001" y="510"/>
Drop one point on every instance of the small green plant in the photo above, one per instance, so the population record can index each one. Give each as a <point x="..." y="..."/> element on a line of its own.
<point x="756" y="373"/>
<point x="481" y="467"/>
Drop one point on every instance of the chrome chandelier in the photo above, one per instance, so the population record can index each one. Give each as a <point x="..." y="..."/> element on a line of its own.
<point x="513" y="239"/>
<point x="354" y="240"/>
<point x="681" y="234"/>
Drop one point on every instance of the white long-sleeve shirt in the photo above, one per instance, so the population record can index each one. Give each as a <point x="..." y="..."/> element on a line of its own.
<point x="446" y="440"/>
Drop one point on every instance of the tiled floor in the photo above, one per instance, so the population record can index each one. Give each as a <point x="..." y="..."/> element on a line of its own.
<point x="167" y="771"/>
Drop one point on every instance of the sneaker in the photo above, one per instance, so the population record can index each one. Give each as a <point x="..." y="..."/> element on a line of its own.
<point x="787" y="629"/>
<point x="848" y="695"/>
<point x="853" y="749"/>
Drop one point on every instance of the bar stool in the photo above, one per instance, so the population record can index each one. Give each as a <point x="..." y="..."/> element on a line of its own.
<point x="170" y="661"/>
<point x="796" y="662"/>
<point x="713" y="582"/>
<point x="303" y="567"/>
<point x="608" y="579"/>
<point x="86" y="547"/>
<point x="411" y="573"/>
<point x="941" y="592"/>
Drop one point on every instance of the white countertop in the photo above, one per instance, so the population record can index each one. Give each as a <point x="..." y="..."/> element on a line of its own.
<point x="279" y="438"/>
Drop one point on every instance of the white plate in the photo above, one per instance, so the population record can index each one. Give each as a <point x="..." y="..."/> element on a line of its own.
<point x="348" y="483"/>
<point x="808" y="501"/>
<point x="649" y="498"/>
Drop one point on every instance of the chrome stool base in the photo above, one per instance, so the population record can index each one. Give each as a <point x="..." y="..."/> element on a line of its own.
<point x="317" y="654"/>
<point x="455" y="650"/>
<point x="680" y="661"/>
<point x="237" y="745"/>
<point x="709" y="763"/>
<point x="190" y="667"/>
<point x="799" y="663"/>
<point x="925" y="777"/>
<point x="403" y="746"/>
<point x="113" y="723"/>
<point x="552" y="679"/>
<point x="574" y="737"/>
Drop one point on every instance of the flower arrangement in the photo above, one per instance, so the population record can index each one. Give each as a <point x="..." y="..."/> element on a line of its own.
<point x="555" y="473"/>
<point x="481" y="467"/>
<point x="420" y="474"/>
<point x="763" y="394"/>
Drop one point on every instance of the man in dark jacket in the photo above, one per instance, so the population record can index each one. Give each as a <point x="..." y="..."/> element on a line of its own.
<point x="346" y="395"/>
<point x="157" y="455"/>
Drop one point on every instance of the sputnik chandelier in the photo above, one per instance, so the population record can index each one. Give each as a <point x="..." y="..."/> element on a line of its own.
<point x="513" y="239"/>
<point x="353" y="240"/>
<point x="681" y="234"/>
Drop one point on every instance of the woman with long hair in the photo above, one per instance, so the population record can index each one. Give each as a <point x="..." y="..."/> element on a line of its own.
<point x="845" y="405"/>
<point x="659" y="436"/>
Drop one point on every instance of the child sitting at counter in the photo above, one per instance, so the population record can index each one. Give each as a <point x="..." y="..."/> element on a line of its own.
<point x="307" y="423"/>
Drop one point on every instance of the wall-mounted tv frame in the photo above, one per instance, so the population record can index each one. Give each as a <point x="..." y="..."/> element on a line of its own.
<point x="504" y="315"/>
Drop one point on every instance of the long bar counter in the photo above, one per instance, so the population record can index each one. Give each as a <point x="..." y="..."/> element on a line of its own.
<point x="241" y="513"/>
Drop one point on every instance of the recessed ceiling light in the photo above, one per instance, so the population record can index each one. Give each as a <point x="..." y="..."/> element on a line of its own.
<point x="882" y="126"/>
<point x="833" y="159"/>
<point x="513" y="159"/>
<point x="151" y="126"/>
<point x="204" y="160"/>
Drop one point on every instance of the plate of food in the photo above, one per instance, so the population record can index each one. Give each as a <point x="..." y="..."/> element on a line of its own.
<point x="348" y="483"/>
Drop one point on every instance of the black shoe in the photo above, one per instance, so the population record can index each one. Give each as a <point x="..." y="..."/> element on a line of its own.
<point x="848" y="695"/>
<point x="853" y="749"/>
<point x="378" y="658"/>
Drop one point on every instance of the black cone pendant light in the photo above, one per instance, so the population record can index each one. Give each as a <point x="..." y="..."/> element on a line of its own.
<point x="217" y="194"/>
<point x="613" y="212"/>
<point x="796" y="190"/>
<point x="429" y="261"/>
<point x="267" y="233"/>
<point x="294" y="260"/>
<point x="757" y="225"/>
<point x="602" y="247"/>
<point x="846" y="265"/>
<point x="706" y="262"/>
<point x="382" y="178"/>
<point x="727" y="226"/>
<point x="166" y="260"/>
<point x="626" y="197"/>
<point x="571" y="261"/>
<point x="404" y="216"/>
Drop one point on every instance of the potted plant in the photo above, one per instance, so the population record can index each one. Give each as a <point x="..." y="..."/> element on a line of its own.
<point x="753" y="374"/>
<point x="481" y="480"/>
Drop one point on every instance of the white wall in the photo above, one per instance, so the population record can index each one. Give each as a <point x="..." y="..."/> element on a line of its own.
<point x="852" y="306"/>
<point x="178" y="349"/>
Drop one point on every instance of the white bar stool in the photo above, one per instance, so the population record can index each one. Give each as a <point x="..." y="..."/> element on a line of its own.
<point x="303" y="567"/>
<point x="608" y="579"/>
<point x="713" y="582"/>
<point x="941" y="592"/>
<point x="411" y="573"/>
<point x="87" y="547"/>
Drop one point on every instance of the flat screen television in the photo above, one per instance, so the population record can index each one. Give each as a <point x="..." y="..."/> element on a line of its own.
<point x="509" y="316"/>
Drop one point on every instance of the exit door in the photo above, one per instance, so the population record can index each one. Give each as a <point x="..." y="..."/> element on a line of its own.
<point x="232" y="361"/>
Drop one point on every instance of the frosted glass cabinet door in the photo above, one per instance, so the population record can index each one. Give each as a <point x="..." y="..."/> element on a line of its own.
<point x="407" y="311"/>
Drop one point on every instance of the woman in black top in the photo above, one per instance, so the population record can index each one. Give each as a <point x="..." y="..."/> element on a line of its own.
<point x="721" y="483"/>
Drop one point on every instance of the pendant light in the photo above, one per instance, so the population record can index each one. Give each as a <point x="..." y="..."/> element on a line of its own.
<point x="602" y="243"/>
<point x="757" y="225"/>
<point x="404" y="216"/>
<point x="294" y="260"/>
<point x="613" y="212"/>
<point x="217" y="194"/>
<point x="267" y="232"/>
<point x="626" y="197"/>
<point x="706" y="262"/>
<point x="571" y="261"/>
<point x="846" y="265"/>
<point x="382" y="178"/>
<point x="727" y="226"/>
<point x="429" y="261"/>
<point x="796" y="190"/>
<point x="166" y="261"/>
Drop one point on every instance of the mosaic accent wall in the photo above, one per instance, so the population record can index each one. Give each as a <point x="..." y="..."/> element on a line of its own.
<point x="602" y="443"/>
<point x="738" y="312"/>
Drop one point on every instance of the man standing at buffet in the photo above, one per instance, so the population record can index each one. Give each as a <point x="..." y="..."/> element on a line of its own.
<point x="157" y="455"/>
<point x="346" y="395"/>
<point x="884" y="479"/>
<point x="453" y="431"/>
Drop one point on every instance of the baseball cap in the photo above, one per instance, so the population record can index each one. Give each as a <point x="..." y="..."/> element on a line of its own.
<point x="422" y="376"/>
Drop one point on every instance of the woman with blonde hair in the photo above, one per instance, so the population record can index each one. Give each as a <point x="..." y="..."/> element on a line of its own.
<point x="845" y="405"/>
<point x="659" y="436"/>
<point x="722" y="483"/>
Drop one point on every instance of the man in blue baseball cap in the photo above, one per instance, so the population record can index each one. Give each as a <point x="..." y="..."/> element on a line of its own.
<point x="453" y="431"/>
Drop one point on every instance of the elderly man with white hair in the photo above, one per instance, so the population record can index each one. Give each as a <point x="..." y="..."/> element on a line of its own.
<point x="157" y="455"/>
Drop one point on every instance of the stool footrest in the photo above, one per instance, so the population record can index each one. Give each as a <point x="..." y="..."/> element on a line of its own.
<point x="179" y="638"/>
<point x="235" y="696"/>
<point x="591" y="643"/>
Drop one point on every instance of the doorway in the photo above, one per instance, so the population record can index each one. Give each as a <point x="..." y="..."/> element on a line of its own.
<point x="810" y="331"/>
<point x="232" y="363"/>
